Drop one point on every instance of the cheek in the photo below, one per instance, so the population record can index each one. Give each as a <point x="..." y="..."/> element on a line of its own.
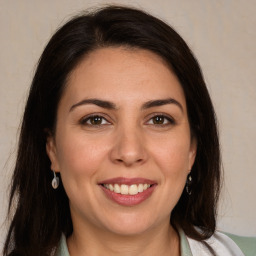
<point x="80" y="160"/>
<point x="173" y="160"/>
<point x="79" y="155"/>
<point x="173" y="156"/>
<point x="174" y="164"/>
<point x="174" y="168"/>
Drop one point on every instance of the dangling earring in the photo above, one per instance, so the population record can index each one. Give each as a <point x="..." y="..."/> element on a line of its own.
<point x="55" y="181"/>
<point x="188" y="184"/>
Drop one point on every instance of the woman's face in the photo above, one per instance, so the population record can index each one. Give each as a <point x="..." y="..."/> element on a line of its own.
<point x="122" y="144"/>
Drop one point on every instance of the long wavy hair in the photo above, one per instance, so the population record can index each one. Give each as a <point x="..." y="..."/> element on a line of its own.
<point x="40" y="214"/>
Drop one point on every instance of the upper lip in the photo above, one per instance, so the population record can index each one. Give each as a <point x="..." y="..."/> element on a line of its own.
<point x="127" y="181"/>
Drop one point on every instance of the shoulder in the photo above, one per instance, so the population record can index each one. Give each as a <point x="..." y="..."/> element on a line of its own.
<point x="225" y="244"/>
<point x="246" y="244"/>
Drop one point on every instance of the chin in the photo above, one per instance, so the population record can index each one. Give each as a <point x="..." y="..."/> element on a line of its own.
<point x="130" y="225"/>
<point x="131" y="230"/>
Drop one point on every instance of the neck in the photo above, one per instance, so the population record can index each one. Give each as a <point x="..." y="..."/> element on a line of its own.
<point x="162" y="241"/>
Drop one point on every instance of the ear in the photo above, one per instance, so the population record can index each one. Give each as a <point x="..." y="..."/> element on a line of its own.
<point x="52" y="152"/>
<point x="192" y="152"/>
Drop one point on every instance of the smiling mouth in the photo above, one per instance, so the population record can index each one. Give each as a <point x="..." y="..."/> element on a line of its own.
<point x="124" y="189"/>
<point x="128" y="191"/>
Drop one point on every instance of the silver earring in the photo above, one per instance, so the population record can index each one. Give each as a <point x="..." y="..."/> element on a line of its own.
<point x="188" y="184"/>
<point x="55" y="181"/>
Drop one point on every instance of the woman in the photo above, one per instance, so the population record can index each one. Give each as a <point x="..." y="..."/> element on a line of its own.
<point x="119" y="150"/>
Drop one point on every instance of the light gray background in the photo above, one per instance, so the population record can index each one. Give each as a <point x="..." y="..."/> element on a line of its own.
<point x="221" y="34"/>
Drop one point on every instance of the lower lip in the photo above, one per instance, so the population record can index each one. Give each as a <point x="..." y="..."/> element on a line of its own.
<point x="129" y="200"/>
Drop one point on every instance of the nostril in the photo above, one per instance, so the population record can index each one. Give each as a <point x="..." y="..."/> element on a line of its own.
<point x="129" y="162"/>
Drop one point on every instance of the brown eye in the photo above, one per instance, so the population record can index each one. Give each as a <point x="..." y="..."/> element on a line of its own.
<point x="161" y="120"/>
<point x="95" y="120"/>
<point x="158" y="120"/>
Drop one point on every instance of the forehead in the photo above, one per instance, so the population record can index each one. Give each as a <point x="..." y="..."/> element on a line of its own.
<point x="122" y="74"/>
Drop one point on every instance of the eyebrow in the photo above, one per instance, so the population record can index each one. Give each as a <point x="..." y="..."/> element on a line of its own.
<point x="98" y="102"/>
<point x="110" y="105"/>
<point x="157" y="103"/>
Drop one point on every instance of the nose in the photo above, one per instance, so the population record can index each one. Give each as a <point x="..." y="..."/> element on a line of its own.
<point x="129" y="148"/>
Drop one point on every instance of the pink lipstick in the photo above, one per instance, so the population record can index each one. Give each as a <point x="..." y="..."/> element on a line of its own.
<point x="128" y="191"/>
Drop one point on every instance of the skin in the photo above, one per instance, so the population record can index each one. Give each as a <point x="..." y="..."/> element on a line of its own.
<point x="128" y="142"/>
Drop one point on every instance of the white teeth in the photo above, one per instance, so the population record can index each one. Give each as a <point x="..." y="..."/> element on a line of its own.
<point x="133" y="190"/>
<point x="117" y="188"/>
<point x="126" y="189"/>
<point x="140" y="188"/>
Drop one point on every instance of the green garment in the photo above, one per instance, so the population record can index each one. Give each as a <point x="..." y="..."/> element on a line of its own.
<point x="246" y="244"/>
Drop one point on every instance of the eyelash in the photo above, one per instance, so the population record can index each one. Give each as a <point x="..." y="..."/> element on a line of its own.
<point x="167" y="120"/>
<point x="84" y="120"/>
